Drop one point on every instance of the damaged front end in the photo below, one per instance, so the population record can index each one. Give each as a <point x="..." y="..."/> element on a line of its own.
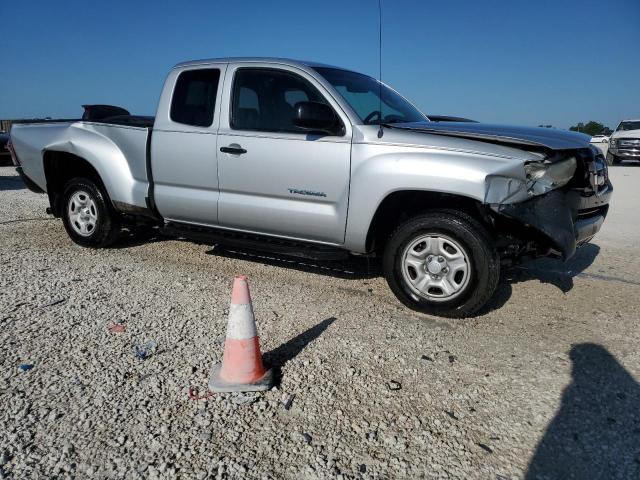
<point x="558" y="205"/>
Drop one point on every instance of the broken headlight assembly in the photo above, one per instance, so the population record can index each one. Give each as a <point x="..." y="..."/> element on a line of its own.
<point x="542" y="177"/>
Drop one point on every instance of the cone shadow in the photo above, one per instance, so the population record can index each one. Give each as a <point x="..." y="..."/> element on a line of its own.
<point x="279" y="356"/>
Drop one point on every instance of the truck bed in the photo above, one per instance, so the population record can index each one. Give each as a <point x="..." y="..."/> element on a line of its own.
<point x="144" y="121"/>
<point x="116" y="147"/>
<point x="129" y="121"/>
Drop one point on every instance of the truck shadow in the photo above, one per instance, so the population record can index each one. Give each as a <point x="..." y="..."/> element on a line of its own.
<point x="546" y="270"/>
<point x="11" y="182"/>
<point x="551" y="271"/>
<point x="554" y="271"/>
<point x="137" y="236"/>
<point x="352" y="268"/>
<point x="595" y="433"/>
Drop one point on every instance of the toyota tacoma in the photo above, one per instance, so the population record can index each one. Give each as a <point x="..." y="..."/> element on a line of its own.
<point x="318" y="161"/>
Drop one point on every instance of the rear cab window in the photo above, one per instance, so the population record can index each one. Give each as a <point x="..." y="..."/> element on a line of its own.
<point x="194" y="97"/>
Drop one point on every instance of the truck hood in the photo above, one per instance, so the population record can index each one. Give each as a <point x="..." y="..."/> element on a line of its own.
<point x="506" y="134"/>
<point x="626" y="134"/>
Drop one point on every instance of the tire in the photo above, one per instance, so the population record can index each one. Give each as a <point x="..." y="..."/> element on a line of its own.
<point x="470" y="264"/>
<point x="86" y="204"/>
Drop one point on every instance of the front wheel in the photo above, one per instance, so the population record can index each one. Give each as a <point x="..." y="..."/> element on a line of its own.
<point x="442" y="263"/>
<point x="88" y="216"/>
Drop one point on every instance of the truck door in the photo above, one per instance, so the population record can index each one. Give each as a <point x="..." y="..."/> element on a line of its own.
<point x="276" y="178"/>
<point x="183" y="145"/>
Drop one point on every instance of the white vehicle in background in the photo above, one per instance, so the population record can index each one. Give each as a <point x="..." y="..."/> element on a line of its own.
<point x="624" y="143"/>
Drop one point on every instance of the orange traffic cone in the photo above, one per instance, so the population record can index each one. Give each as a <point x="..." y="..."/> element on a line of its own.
<point x="241" y="369"/>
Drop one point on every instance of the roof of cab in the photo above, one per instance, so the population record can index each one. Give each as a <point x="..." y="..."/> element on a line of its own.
<point x="274" y="60"/>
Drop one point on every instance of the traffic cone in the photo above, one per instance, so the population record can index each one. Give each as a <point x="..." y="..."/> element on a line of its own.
<point x="241" y="369"/>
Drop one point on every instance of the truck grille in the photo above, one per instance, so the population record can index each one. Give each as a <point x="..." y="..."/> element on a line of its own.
<point x="598" y="174"/>
<point x="592" y="174"/>
<point x="592" y="212"/>
<point x="629" y="143"/>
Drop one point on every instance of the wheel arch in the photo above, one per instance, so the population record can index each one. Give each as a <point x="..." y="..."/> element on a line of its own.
<point x="400" y="205"/>
<point x="59" y="168"/>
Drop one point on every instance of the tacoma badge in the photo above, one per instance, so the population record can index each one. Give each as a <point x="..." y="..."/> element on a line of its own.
<point x="306" y="192"/>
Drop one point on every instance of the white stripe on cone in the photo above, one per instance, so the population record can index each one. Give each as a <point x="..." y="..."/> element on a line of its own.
<point x="241" y="323"/>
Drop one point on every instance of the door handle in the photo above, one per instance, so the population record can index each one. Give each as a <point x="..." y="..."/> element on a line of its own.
<point x="235" y="149"/>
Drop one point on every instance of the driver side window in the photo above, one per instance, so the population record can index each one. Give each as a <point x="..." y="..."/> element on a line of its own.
<point x="265" y="100"/>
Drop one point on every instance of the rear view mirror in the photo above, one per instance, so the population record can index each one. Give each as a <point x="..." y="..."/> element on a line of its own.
<point x="315" y="116"/>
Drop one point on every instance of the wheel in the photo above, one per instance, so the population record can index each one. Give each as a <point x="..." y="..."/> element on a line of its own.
<point x="88" y="216"/>
<point x="613" y="159"/>
<point x="442" y="263"/>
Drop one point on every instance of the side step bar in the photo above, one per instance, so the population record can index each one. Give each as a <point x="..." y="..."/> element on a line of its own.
<point x="260" y="243"/>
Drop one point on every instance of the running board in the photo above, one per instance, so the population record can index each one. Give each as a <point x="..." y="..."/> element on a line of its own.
<point x="288" y="248"/>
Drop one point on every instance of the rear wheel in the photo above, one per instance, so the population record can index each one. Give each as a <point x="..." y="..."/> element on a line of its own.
<point x="88" y="216"/>
<point x="442" y="263"/>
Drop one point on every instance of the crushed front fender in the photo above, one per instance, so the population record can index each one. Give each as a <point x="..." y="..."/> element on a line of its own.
<point x="567" y="218"/>
<point x="548" y="214"/>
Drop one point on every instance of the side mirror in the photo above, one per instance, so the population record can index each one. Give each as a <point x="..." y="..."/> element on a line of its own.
<point x="315" y="116"/>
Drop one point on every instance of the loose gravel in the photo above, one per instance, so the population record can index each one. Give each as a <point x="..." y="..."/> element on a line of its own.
<point x="543" y="384"/>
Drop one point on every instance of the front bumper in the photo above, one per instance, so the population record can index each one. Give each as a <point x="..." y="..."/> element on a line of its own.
<point x="567" y="219"/>
<point x="626" y="153"/>
<point x="625" y="147"/>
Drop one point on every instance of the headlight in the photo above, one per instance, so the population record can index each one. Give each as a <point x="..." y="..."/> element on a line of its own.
<point x="543" y="177"/>
<point x="613" y="142"/>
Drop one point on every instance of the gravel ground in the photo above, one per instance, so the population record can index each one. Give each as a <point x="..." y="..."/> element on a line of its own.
<point x="543" y="384"/>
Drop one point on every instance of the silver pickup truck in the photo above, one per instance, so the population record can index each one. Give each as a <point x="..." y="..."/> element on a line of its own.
<point x="313" y="160"/>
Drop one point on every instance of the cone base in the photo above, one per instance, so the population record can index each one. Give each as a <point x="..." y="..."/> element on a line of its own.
<point x="216" y="384"/>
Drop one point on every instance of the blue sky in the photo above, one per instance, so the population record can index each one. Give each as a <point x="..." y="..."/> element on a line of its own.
<point x="524" y="62"/>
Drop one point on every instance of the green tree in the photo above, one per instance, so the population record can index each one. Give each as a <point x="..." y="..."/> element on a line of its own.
<point x="590" y="128"/>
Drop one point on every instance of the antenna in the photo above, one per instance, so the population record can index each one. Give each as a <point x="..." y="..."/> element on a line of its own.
<point x="380" y="131"/>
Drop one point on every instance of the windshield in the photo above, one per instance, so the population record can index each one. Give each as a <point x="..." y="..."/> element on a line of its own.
<point x="629" y="126"/>
<point x="362" y="93"/>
